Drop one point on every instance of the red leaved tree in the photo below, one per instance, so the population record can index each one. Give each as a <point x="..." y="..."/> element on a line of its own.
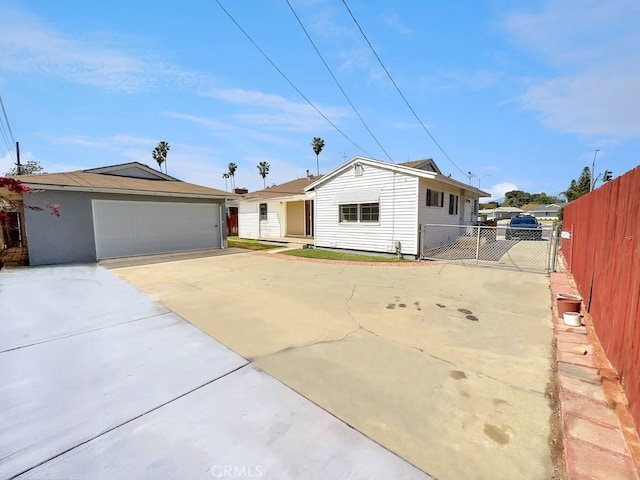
<point x="11" y="201"/>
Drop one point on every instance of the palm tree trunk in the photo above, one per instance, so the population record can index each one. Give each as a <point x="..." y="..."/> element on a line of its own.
<point x="318" y="164"/>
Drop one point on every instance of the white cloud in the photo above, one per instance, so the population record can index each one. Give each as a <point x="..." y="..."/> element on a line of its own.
<point x="393" y="20"/>
<point x="7" y="162"/>
<point x="498" y="190"/>
<point x="28" y="46"/>
<point x="591" y="103"/>
<point x="596" y="57"/>
<point x="453" y="80"/>
<point x="277" y="112"/>
<point x="223" y="129"/>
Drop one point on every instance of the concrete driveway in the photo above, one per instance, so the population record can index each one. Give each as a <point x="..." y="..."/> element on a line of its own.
<point x="444" y="365"/>
<point x="98" y="381"/>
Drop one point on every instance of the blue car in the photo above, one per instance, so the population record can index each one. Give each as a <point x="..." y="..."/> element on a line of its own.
<point x="524" y="227"/>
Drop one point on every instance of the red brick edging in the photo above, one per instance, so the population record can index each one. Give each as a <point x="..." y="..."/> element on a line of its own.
<point x="599" y="437"/>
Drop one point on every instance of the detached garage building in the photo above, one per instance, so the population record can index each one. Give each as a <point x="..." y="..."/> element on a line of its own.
<point x="119" y="211"/>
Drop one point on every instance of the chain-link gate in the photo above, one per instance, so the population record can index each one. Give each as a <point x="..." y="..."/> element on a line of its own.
<point x="502" y="246"/>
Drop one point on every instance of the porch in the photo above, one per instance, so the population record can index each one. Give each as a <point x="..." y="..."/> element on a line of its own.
<point x="289" y="240"/>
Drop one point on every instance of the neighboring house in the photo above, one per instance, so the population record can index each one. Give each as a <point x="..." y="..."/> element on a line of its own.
<point x="280" y="211"/>
<point x="378" y="206"/>
<point x="548" y="212"/>
<point x="500" y="213"/>
<point x="119" y="211"/>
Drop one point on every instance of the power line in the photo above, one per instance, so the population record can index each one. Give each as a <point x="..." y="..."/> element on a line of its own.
<point x="289" y="81"/>
<point x="3" y="131"/>
<point x="337" y="82"/>
<point x="398" y="89"/>
<point x="7" y="119"/>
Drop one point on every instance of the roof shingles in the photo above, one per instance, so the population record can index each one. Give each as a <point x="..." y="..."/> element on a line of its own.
<point x="288" y="189"/>
<point x="85" y="180"/>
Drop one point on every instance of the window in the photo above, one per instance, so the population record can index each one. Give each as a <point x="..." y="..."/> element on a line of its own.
<point x="453" y="204"/>
<point x="263" y="211"/>
<point x="348" y="213"/>
<point x="364" y="212"/>
<point x="369" y="212"/>
<point x="435" y="198"/>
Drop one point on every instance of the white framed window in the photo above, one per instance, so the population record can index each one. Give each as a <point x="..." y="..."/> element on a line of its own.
<point x="370" y="212"/>
<point x="359" y="213"/>
<point x="453" y="204"/>
<point x="263" y="211"/>
<point x="435" y="198"/>
<point x="348" y="213"/>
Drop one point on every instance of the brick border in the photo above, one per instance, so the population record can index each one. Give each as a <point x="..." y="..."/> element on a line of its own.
<point x="598" y="434"/>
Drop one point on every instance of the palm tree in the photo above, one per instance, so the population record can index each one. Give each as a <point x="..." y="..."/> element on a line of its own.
<point x="225" y="176"/>
<point x="318" y="145"/>
<point x="232" y="173"/>
<point x="263" y="169"/>
<point x="159" y="154"/>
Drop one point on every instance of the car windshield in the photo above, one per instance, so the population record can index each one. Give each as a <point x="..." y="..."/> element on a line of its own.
<point x="524" y="221"/>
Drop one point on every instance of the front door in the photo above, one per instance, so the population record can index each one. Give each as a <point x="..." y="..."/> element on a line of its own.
<point x="308" y="218"/>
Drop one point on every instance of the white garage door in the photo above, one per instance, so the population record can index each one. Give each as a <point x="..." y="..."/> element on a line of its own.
<point x="124" y="229"/>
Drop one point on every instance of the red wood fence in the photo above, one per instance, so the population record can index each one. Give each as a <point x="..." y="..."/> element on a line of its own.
<point x="603" y="255"/>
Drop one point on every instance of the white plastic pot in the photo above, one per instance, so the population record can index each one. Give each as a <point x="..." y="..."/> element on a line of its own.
<point x="573" y="319"/>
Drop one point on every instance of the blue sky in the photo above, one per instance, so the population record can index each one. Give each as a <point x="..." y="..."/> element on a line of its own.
<point x="519" y="93"/>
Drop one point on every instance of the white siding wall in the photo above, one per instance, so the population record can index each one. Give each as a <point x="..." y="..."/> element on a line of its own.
<point x="398" y="213"/>
<point x="248" y="220"/>
<point x="249" y="225"/>
<point x="438" y="236"/>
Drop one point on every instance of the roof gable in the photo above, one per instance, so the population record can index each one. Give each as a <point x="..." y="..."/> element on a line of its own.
<point x="428" y="165"/>
<point x="399" y="168"/>
<point x="132" y="170"/>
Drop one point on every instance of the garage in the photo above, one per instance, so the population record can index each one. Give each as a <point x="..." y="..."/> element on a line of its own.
<point x="130" y="228"/>
<point x="120" y="210"/>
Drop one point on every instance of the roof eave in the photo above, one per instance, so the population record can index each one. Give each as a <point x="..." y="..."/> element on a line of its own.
<point x="125" y="191"/>
<point x="292" y="197"/>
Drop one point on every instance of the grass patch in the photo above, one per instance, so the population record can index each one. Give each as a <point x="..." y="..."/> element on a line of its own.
<point x="333" y="255"/>
<point x="235" y="242"/>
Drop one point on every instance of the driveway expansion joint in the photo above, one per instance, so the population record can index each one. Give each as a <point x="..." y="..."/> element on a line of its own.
<point x="121" y="424"/>
<point x="83" y="332"/>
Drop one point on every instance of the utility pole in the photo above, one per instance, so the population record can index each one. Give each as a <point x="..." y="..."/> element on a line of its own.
<point x="593" y="170"/>
<point x="480" y="178"/>
<point x="470" y="175"/>
<point x="18" y="164"/>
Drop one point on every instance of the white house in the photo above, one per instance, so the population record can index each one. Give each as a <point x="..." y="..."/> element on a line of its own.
<point x="280" y="211"/>
<point x="546" y="212"/>
<point x="500" y="213"/>
<point x="378" y="206"/>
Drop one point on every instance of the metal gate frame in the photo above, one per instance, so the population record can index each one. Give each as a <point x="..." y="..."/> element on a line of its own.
<point x="487" y="246"/>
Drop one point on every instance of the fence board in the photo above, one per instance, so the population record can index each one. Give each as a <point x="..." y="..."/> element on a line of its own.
<point x="603" y="256"/>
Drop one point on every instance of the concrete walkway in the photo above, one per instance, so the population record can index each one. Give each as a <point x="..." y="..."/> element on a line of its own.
<point x="98" y="381"/>
<point x="444" y="365"/>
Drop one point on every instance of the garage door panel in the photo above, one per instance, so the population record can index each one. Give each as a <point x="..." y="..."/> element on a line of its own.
<point x="126" y="228"/>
